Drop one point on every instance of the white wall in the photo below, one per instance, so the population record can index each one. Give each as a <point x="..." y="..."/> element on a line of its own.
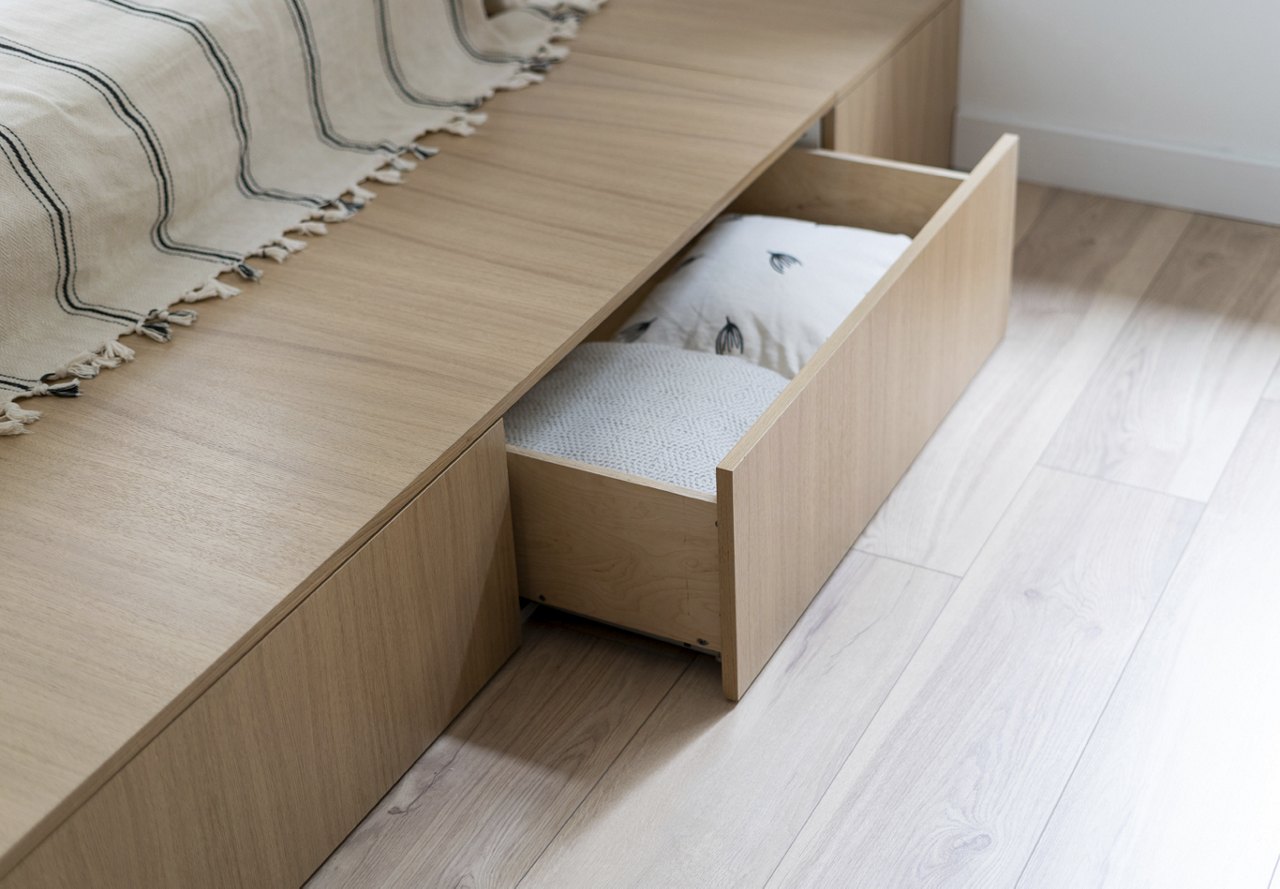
<point x="1169" y="101"/>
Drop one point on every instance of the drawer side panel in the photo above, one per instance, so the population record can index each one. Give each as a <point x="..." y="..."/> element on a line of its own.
<point x="797" y="491"/>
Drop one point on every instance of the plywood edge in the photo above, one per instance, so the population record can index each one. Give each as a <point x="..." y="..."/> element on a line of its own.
<point x="521" y="455"/>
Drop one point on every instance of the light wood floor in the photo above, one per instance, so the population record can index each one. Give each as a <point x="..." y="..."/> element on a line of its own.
<point x="1053" y="660"/>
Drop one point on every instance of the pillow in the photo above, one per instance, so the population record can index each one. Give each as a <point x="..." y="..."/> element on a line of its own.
<point x="770" y="289"/>
<point x="654" y="411"/>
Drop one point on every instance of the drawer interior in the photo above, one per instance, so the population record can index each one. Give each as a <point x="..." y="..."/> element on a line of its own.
<point x="731" y="573"/>
<point x="831" y="189"/>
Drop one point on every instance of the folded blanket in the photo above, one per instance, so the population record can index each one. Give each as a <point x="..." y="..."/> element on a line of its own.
<point x="653" y="411"/>
<point x="147" y="146"/>
<point x="770" y="289"/>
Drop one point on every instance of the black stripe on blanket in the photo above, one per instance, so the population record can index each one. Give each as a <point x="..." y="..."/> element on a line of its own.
<point x="225" y="72"/>
<point x="319" y="113"/>
<point x="124" y="109"/>
<point x="460" y="31"/>
<point x="391" y="63"/>
<point x="19" y="158"/>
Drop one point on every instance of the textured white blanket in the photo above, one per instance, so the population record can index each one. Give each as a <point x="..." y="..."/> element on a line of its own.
<point x="658" y="412"/>
<point x="150" y="145"/>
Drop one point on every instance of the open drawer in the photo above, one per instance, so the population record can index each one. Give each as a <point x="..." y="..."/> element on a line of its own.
<point x="731" y="573"/>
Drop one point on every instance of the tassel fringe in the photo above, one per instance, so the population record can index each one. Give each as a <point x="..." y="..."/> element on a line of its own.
<point x="565" y="16"/>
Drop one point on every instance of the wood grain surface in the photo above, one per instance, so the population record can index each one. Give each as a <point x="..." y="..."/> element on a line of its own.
<point x="797" y="490"/>
<point x="905" y="109"/>
<point x="825" y="44"/>
<point x="163" y="523"/>
<point x="1167" y="405"/>
<point x="1080" y="270"/>
<point x="1175" y="784"/>
<point x="625" y="550"/>
<point x="258" y="780"/>
<point x="958" y="772"/>
<point x="1175" y="789"/>
<point x="711" y="794"/>
<point x="528" y="749"/>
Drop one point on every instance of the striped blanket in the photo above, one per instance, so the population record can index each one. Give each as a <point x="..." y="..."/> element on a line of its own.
<point x="150" y="146"/>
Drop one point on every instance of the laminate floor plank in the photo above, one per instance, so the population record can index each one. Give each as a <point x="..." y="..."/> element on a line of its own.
<point x="957" y="774"/>
<point x="1080" y="269"/>
<point x="1180" y="784"/>
<point x="711" y="794"/>
<point x="1167" y="406"/>
<point x="1032" y="199"/>
<point x="487" y="797"/>
<point x="1272" y="392"/>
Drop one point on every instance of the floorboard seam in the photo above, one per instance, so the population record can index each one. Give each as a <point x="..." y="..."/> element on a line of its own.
<point x="596" y="783"/>
<point x="1138" y="642"/>
<point x="918" y="567"/>
<point x="1137" y="304"/>
<point x="862" y="734"/>
<point x="1129" y="485"/>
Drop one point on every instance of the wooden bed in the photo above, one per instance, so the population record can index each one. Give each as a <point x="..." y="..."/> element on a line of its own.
<point x="233" y="614"/>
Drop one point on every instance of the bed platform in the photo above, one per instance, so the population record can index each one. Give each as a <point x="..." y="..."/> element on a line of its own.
<point x="233" y="615"/>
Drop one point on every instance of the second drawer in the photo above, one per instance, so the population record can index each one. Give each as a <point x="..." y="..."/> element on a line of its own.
<point x="732" y="572"/>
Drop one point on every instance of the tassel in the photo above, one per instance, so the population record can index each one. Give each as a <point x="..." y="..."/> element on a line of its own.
<point x="459" y="126"/>
<point x="279" y="254"/>
<point x="213" y="288"/>
<point x="156" y="330"/>
<point x="554" y="54"/>
<point x="117" y="350"/>
<point x="339" y="213"/>
<point x="113" y="354"/>
<point x="583" y="6"/>
<point x="422" y="152"/>
<point x="70" y="389"/>
<point x="403" y="164"/>
<point x="521" y="79"/>
<point x="280" y="248"/>
<point x="359" y="196"/>
<point x="20" y="415"/>
<point x="565" y="29"/>
<point x="248" y="272"/>
<point x="83" y="371"/>
<point x="185" y="317"/>
<point x="13" y="427"/>
<point x="309" y="228"/>
<point x="387" y="176"/>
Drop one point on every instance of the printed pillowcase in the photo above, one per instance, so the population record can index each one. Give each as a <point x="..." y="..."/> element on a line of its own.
<point x="770" y="289"/>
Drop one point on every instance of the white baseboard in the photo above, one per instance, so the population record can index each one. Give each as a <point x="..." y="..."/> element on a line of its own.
<point x="1159" y="174"/>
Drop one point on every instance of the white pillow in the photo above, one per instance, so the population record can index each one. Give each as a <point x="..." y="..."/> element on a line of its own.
<point x="653" y="411"/>
<point x="767" y="288"/>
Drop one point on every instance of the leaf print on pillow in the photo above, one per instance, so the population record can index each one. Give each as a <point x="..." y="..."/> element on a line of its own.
<point x="780" y="262"/>
<point x="729" y="339"/>
<point x="633" y="332"/>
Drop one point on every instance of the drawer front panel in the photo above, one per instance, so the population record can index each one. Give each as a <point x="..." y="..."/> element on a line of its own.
<point x="258" y="780"/>
<point x="626" y="551"/>
<point x="797" y="491"/>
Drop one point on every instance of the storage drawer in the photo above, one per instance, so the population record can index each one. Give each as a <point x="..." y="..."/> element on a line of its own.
<point x="259" y="779"/>
<point x="731" y="573"/>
